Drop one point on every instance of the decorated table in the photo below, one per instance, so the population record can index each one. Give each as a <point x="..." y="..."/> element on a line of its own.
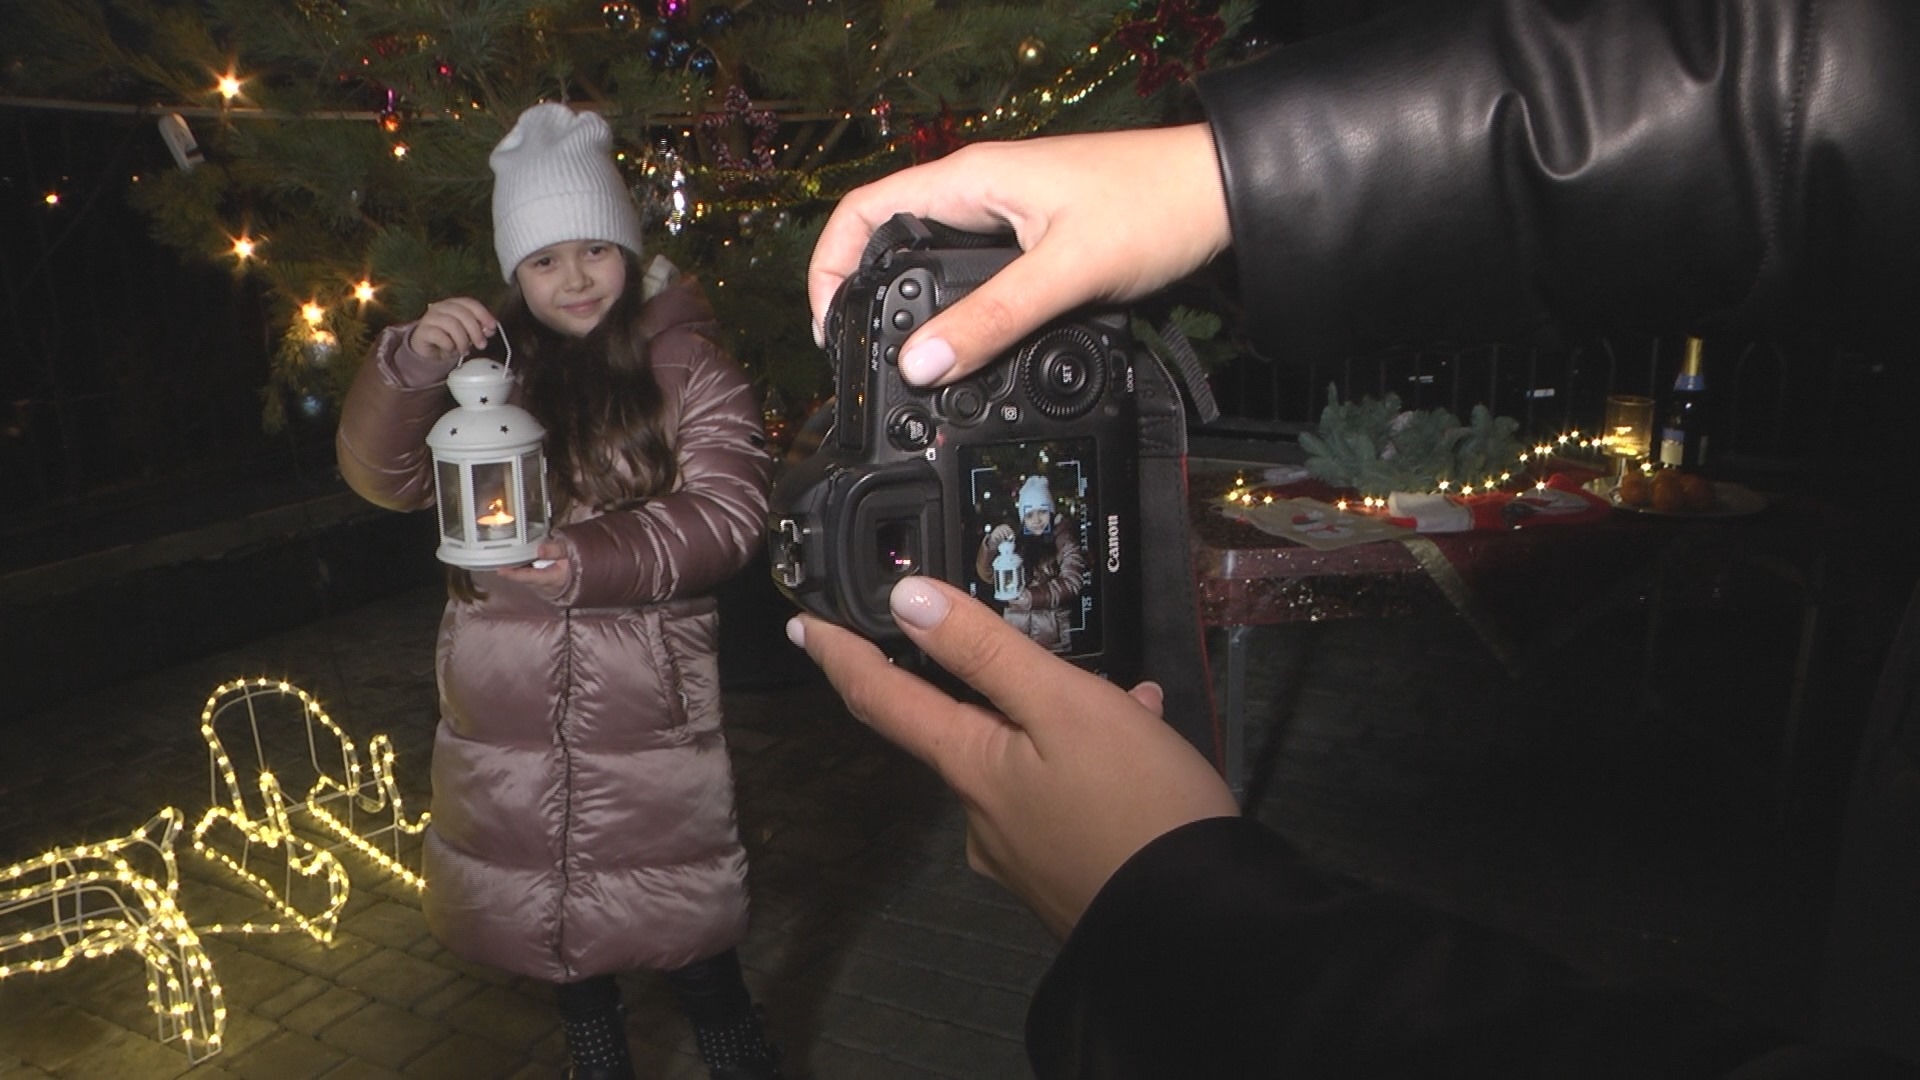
<point x="1528" y="569"/>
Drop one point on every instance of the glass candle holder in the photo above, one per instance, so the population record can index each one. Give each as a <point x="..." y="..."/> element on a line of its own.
<point x="1627" y="433"/>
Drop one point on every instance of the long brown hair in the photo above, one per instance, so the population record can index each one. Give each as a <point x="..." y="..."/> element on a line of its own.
<point x="607" y="443"/>
<point x="607" y="446"/>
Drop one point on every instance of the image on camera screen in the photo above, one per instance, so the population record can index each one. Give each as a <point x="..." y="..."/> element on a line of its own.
<point x="1027" y="513"/>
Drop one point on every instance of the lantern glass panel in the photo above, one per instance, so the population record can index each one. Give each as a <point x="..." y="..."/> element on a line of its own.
<point x="453" y="510"/>
<point x="496" y="501"/>
<point x="533" y="480"/>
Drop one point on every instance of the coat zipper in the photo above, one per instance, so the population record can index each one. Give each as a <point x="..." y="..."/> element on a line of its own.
<point x="566" y="782"/>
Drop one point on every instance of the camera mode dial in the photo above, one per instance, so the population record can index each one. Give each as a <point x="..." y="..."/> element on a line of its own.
<point x="1064" y="371"/>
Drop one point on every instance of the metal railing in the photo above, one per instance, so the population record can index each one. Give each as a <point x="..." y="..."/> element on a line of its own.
<point x="1775" y="406"/>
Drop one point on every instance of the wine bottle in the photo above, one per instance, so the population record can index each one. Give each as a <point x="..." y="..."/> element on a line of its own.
<point x="1683" y="425"/>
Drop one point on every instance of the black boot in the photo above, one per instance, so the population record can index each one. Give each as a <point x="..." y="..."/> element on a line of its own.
<point x="596" y="1030"/>
<point x="726" y="1024"/>
<point x="738" y="1050"/>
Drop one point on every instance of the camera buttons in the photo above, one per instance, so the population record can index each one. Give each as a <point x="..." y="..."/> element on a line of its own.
<point x="963" y="404"/>
<point x="910" y="430"/>
<point x="1064" y="372"/>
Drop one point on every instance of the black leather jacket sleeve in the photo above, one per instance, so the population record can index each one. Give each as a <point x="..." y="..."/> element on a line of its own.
<point x="1512" y="170"/>
<point x="1216" y="952"/>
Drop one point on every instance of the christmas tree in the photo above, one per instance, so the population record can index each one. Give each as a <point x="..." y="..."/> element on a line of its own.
<point x="335" y="150"/>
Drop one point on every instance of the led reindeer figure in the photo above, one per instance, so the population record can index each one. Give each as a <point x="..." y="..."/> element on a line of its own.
<point x="95" y="900"/>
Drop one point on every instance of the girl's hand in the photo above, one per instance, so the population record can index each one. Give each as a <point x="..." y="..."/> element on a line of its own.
<point x="451" y="329"/>
<point x="550" y="580"/>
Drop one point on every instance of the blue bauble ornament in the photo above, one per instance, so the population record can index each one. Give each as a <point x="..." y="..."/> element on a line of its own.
<point x="716" y="19"/>
<point x="678" y="52"/>
<point x="702" y="63"/>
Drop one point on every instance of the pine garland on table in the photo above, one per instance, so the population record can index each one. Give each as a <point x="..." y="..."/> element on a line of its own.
<point x="1376" y="447"/>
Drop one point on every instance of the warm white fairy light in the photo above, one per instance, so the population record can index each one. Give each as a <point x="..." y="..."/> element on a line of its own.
<point x="229" y="87"/>
<point x="244" y="247"/>
<point x="89" y="900"/>
<point x="312" y="312"/>
<point x="272" y="826"/>
<point x="99" y="905"/>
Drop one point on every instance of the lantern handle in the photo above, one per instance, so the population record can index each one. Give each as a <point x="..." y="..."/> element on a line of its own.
<point x="500" y="333"/>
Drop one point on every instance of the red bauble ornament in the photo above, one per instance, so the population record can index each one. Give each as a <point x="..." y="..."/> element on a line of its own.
<point x="937" y="138"/>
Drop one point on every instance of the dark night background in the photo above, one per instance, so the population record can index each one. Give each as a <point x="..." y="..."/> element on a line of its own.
<point x="131" y="414"/>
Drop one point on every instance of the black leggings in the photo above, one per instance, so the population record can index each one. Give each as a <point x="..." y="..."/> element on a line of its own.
<point x="709" y="991"/>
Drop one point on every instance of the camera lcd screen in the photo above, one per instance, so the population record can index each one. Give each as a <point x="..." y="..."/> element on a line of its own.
<point x="1028" y="513"/>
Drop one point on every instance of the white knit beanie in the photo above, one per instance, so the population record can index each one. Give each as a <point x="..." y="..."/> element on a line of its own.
<point x="554" y="180"/>
<point x="1035" y="494"/>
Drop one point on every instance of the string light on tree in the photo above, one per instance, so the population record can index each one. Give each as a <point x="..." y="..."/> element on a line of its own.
<point x="620" y="16"/>
<point x="406" y="72"/>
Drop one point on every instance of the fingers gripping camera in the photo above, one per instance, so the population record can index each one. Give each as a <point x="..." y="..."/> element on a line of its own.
<point x="1019" y="483"/>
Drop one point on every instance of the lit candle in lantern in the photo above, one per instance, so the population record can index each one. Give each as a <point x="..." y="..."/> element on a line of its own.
<point x="496" y="523"/>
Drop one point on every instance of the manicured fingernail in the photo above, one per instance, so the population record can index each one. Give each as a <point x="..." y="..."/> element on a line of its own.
<point x="917" y="603"/>
<point x="797" y="631"/>
<point x="925" y="361"/>
<point x="819" y="335"/>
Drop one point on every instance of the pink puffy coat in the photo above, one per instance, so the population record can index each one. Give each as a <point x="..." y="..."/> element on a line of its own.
<point x="583" y="816"/>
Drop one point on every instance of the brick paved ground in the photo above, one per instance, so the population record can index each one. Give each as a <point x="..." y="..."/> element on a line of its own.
<point x="1549" y="803"/>
<point x="875" y="951"/>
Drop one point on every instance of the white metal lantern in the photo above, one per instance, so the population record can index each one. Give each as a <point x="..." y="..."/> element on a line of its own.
<point x="489" y="472"/>
<point x="1008" y="576"/>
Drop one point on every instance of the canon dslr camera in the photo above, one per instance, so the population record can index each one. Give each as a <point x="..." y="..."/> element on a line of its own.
<point x="1019" y="483"/>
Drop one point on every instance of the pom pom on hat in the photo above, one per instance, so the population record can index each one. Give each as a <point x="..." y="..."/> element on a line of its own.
<point x="554" y="180"/>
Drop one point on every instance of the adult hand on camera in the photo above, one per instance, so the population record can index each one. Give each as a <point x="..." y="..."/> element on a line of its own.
<point x="1062" y="785"/>
<point x="1110" y="216"/>
<point x="451" y="329"/>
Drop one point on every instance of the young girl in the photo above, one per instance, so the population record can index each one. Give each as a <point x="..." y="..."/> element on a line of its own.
<point x="582" y="796"/>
